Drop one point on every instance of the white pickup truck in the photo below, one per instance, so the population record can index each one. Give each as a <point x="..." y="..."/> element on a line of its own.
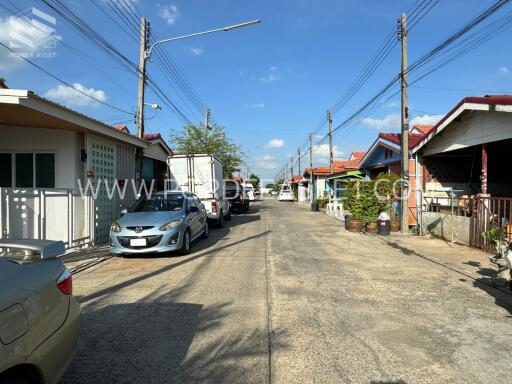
<point x="201" y="174"/>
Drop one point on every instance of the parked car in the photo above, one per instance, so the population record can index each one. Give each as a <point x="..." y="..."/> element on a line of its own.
<point x="285" y="194"/>
<point x="39" y="317"/>
<point x="201" y="174"/>
<point x="236" y="195"/>
<point x="164" y="222"/>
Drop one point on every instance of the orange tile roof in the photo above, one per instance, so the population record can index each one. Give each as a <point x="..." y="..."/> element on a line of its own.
<point x="423" y="128"/>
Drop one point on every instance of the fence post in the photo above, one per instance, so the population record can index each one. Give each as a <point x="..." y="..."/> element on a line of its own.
<point x="70" y="236"/>
<point x="1" y="213"/>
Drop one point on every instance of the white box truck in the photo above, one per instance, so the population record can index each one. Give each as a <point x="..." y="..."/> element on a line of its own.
<point x="201" y="174"/>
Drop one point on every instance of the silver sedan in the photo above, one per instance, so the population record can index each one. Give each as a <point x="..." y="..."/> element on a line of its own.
<point x="164" y="222"/>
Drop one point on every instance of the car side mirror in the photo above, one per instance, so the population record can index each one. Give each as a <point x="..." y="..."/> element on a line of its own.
<point x="124" y="211"/>
<point x="193" y="209"/>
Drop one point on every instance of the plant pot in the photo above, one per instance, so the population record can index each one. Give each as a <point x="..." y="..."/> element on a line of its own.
<point x="314" y="207"/>
<point x="372" y="227"/>
<point x="355" y="225"/>
<point x="395" y="226"/>
<point x="347" y="219"/>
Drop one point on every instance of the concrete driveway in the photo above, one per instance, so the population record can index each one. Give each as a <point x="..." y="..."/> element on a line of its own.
<point x="285" y="295"/>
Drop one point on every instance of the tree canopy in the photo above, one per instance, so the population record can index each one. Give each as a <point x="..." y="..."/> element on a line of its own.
<point x="193" y="139"/>
<point x="255" y="181"/>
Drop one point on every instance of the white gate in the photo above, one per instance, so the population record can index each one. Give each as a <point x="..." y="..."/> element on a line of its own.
<point x="101" y="164"/>
<point x="52" y="214"/>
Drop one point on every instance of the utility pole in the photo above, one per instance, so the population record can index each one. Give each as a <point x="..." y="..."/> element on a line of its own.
<point x="311" y="186"/>
<point x="404" y="147"/>
<point x="144" y="40"/>
<point x="298" y="153"/>
<point x="331" y="155"/>
<point x="206" y="121"/>
<point x="291" y="167"/>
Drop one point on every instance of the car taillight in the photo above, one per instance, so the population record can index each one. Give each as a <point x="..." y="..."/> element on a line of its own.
<point x="65" y="282"/>
<point x="241" y="196"/>
<point x="214" y="206"/>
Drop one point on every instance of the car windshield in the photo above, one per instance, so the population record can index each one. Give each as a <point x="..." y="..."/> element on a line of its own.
<point x="159" y="203"/>
<point x="285" y="188"/>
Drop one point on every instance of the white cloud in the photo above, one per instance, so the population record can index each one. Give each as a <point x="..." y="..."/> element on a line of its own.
<point x="275" y="143"/>
<point x="504" y="71"/>
<point x="195" y="51"/>
<point x="272" y="75"/>
<point x="426" y="120"/>
<point x="266" y="162"/>
<point x="391" y="121"/>
<point x="321" y="152"/>
<point x="169" y="13"/>
<point x="71" y="97"/>
<point x="256" y="105"/>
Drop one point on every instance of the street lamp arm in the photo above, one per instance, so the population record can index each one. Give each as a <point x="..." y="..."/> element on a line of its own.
<point x="224" y="29"/>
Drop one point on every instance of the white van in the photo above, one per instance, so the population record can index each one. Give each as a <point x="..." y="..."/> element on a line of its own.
<point x="285" y="194"/>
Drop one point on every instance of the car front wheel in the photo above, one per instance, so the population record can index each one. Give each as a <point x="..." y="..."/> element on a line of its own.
<point x="185" y="246"/>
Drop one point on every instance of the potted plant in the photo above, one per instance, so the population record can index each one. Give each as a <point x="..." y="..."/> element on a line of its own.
<point x="322" y="202"/>
<point x="395" y="222"/>
<point x="372" y="227"/>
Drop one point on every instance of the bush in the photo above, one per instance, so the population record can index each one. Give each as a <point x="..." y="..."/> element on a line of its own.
<point x="363" y="202"/>
<point x="322" y="202"/>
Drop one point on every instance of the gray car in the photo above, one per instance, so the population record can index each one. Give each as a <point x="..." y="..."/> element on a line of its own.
<point x="164" y="222"/>
<point x="39" y="317"/>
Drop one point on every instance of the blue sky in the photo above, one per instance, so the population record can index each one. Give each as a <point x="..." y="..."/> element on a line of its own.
<point x="270" y="84"/>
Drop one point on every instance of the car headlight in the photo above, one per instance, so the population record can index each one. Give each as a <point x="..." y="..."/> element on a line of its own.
<point x="115" y="227"/>
<point x="170" y="225"/>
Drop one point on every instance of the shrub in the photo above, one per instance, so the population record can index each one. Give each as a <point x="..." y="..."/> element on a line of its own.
<point x="363" y="202"/>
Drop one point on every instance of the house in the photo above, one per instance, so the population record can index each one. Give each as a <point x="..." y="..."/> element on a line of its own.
<point x="463" y="168"/>
<point x="52" y="160"/>
<point x="324" y="179"/>
<point x="343" y="171"/>
<point x="384" y="156"/>
<point x="154" y="162"/>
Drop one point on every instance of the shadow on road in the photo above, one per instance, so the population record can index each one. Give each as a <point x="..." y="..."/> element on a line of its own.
<point x="198" y="254"/>
<point x="152" y="342"/>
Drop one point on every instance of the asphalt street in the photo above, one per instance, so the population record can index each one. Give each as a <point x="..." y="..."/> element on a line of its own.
<point x="285" y="295"/>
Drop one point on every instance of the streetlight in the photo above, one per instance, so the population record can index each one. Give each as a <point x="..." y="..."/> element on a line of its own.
<point x="153" y="106"/>
<point x="224" y="29"/>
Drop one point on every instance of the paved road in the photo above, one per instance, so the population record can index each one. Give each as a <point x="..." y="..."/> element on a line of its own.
<point x="284" y="295"/>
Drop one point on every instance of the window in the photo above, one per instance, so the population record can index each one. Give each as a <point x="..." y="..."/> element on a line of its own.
<point x="24" y="170"/>
<point x="29" y="170"/>
<point x="45" y="170"/>
<point x="5" y="170"/>
<point x="388" y="153"/>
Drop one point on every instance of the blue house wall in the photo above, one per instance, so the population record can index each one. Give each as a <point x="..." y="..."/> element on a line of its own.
<point x="377" y="158"/>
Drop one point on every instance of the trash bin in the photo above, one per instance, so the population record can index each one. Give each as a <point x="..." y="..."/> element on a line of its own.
<point x="384" y="227"/>
<point x="347" y="219"/>
<point x="315" y="207"/>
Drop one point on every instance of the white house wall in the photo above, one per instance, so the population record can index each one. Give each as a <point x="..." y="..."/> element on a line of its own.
<point x="66" y="146"/>
<point x="475" y="128"/>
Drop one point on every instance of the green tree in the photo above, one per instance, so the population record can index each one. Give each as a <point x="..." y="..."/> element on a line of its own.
<point x="255" y="181"/>
<point x="194" y="139"/>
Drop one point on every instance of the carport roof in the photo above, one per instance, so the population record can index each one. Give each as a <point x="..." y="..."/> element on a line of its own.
<point x="23" y="108"/>
<point x="483" y="103"/>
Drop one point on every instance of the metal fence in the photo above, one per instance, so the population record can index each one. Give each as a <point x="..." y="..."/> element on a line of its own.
<point x="53" y="214"/>
<point x="466" y="217"/>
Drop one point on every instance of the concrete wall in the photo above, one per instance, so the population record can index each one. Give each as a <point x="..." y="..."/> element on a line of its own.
<point x="65" y="145"/>
<point x="440" y="225"/>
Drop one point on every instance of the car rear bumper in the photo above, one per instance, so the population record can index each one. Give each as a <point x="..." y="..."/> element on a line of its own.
<point x="55" y="354"/>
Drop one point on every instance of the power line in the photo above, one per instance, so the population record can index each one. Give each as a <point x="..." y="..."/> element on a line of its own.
<point x="64" y="82"/>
